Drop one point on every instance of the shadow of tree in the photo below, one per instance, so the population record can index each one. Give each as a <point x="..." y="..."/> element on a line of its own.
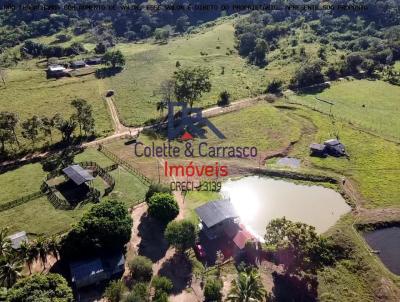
<point x="180" y="270"/>
<point x="107" y="72"/>
<point x="293" y="288"/>
<point x="153" y="244"/>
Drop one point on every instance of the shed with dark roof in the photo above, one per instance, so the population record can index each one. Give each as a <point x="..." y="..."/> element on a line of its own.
<point x="77" y="174"/>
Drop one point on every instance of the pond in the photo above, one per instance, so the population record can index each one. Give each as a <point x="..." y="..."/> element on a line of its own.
<point x="258" y="200"/>
<point x="386" y="242"/>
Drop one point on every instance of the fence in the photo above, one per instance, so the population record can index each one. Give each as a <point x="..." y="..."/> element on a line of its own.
<point x="16" y="202"/>
<point x="125" y="164"/>
<point x="102" y="173"/>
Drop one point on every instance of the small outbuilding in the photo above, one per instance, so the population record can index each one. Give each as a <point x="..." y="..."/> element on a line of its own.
<point x="318" y="149"/>
<point x="335" y="147"/>
<point x="17" y="239"/>
<point x="78" y="64"/>
<point x="77" y="174"/>
<point x="56" y="71"/>
<point x="94" y="61"/>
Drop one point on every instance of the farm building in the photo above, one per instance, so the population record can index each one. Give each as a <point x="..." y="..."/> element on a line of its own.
<point x="77" y="174"/>
<point x="335" y="148"/>
<point x="17" y="239"/>
<point x="93" y="271"/>
<point x="56" y="71"/>
<point x="218" y="218"/>
<point x="78" y="64"/>
<point x="318" y="149"/>
<point x="94" y="61"/>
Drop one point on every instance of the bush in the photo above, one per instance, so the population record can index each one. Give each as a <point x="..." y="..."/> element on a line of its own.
<point x="157" y="188"/>
<point x="114" y="291"/>
<point x="212" y="290"/>
<point x="141" y="268"/>
<point x="275" y="86"/>
<point x="161" y="284"/>
<point x="224" y="98"/>
<point x="163" y="207"/>
<point x="139" y="293"/>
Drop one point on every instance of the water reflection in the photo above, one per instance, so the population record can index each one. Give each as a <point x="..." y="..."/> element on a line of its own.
<point x="258" y="200"/>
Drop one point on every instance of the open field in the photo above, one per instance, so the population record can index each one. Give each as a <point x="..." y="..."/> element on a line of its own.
<point x="38" y="216"/>
<point x="273" y="131"/>
<point x="372" y="105"/>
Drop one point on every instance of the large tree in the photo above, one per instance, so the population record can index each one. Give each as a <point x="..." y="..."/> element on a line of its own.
<point x="181" y="234"/>
<point x="191" y="83"/>
<point x="8" y="124"/>
<point x="105" y="228"/>
<point x="40" y="287"/>
<point x="83" y="115"/>
<point x="30" y="129"/>
<point x="114" y="58"/>
<point x="66" y="127"/>
<point x="163" y="207"/>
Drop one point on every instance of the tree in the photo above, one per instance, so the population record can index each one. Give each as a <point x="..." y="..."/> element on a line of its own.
<point x="163" y="207"/>
<point x="161" y="106"/>
<point x="49" y="287"/>
<point x="247" y="43"/>
<point x="181" y="234"/>
<point x="145" y="31"/>
<point x="258" y="55"/>
<point x="5" y="243"/>
<point x="182" y="23"/>
<point x="3" y="75"/>
<point x="42" y="249"/>
<point x="212" y="290"/>
<point x="83" y="115"/>
<point x="275" y="86"/>
<point x="167" y="90"/>
<point x="191" y="83"/>
<point x="100" y="48"/>
<point x="161" y="285"/>
<point x="105" y="228"/>
<point x="58" y="161"/>
<point x="114" y="291"/>
<point x="114" y="58"/>
<point x="10" y="270"/>
<point x="162" y="34"/>
<point x="308" y="74"/>
<point x="140" y="293"/>
<point x="47" y="125"/>
<point x="141" y="268"/>
<point x="8" y="123"/>
<point x="247" y="287"/>
<point x="53" y="246"/>
<point x="27" y="253"/>
<point x="31" y="129"/>
<point x="298" y="245"/>
<point x="66" y="127"/>
<point x="156" y="188"/>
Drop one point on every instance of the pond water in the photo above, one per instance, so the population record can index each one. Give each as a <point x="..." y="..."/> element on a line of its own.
<point x="258" y="200"/>
<point x="387" y="242"/>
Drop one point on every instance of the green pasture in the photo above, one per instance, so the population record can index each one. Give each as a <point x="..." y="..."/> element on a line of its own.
<point x="371" y="105"/>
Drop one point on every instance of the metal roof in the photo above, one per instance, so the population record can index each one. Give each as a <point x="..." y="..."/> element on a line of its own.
<point x="319" y="147"/>
<point x="332" y="142"/>
<point x="17" y="238"/>
<point x="77" y="174"/>
<point x="215" y="212"/>
<point x="85" y="269"/>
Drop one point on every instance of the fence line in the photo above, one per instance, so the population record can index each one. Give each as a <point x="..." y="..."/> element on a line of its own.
<point x="19" y="201"/>
<point x="125" y="164"/>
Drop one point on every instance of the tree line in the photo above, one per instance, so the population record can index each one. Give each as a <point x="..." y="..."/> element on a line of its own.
<point x="37" y="128"/>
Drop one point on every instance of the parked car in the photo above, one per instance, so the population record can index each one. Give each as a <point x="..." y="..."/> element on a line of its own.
<point x="199" y="250"/>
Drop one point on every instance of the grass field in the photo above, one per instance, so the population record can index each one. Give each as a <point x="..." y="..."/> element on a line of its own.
<point x="372" y="105"/>
<point x="273" y="131"/>
<point x="39" y="216"/>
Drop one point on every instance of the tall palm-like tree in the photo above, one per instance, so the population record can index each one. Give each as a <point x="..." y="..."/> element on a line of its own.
<point x="10" y="270"/>
<point x="5" y="243"/>
<point x="42" y="250"/>
<point x="161" y="106"/>
<point x="53" y="246"/>
<point x="27" y="253"/>
<point x="247" y="287"/>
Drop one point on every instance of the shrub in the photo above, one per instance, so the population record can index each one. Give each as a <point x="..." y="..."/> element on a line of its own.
<point x="162" y="284"/>
<point x="114" y="291"/>
<point x="224" y="98"/>
<point x="156" y="188"/>
<point x="141" y="268"/>
<point x="275" y="86"/>
<point x="163" y="207"/>
<point x="139" y="293"/>
<point x="212" y="290"/>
